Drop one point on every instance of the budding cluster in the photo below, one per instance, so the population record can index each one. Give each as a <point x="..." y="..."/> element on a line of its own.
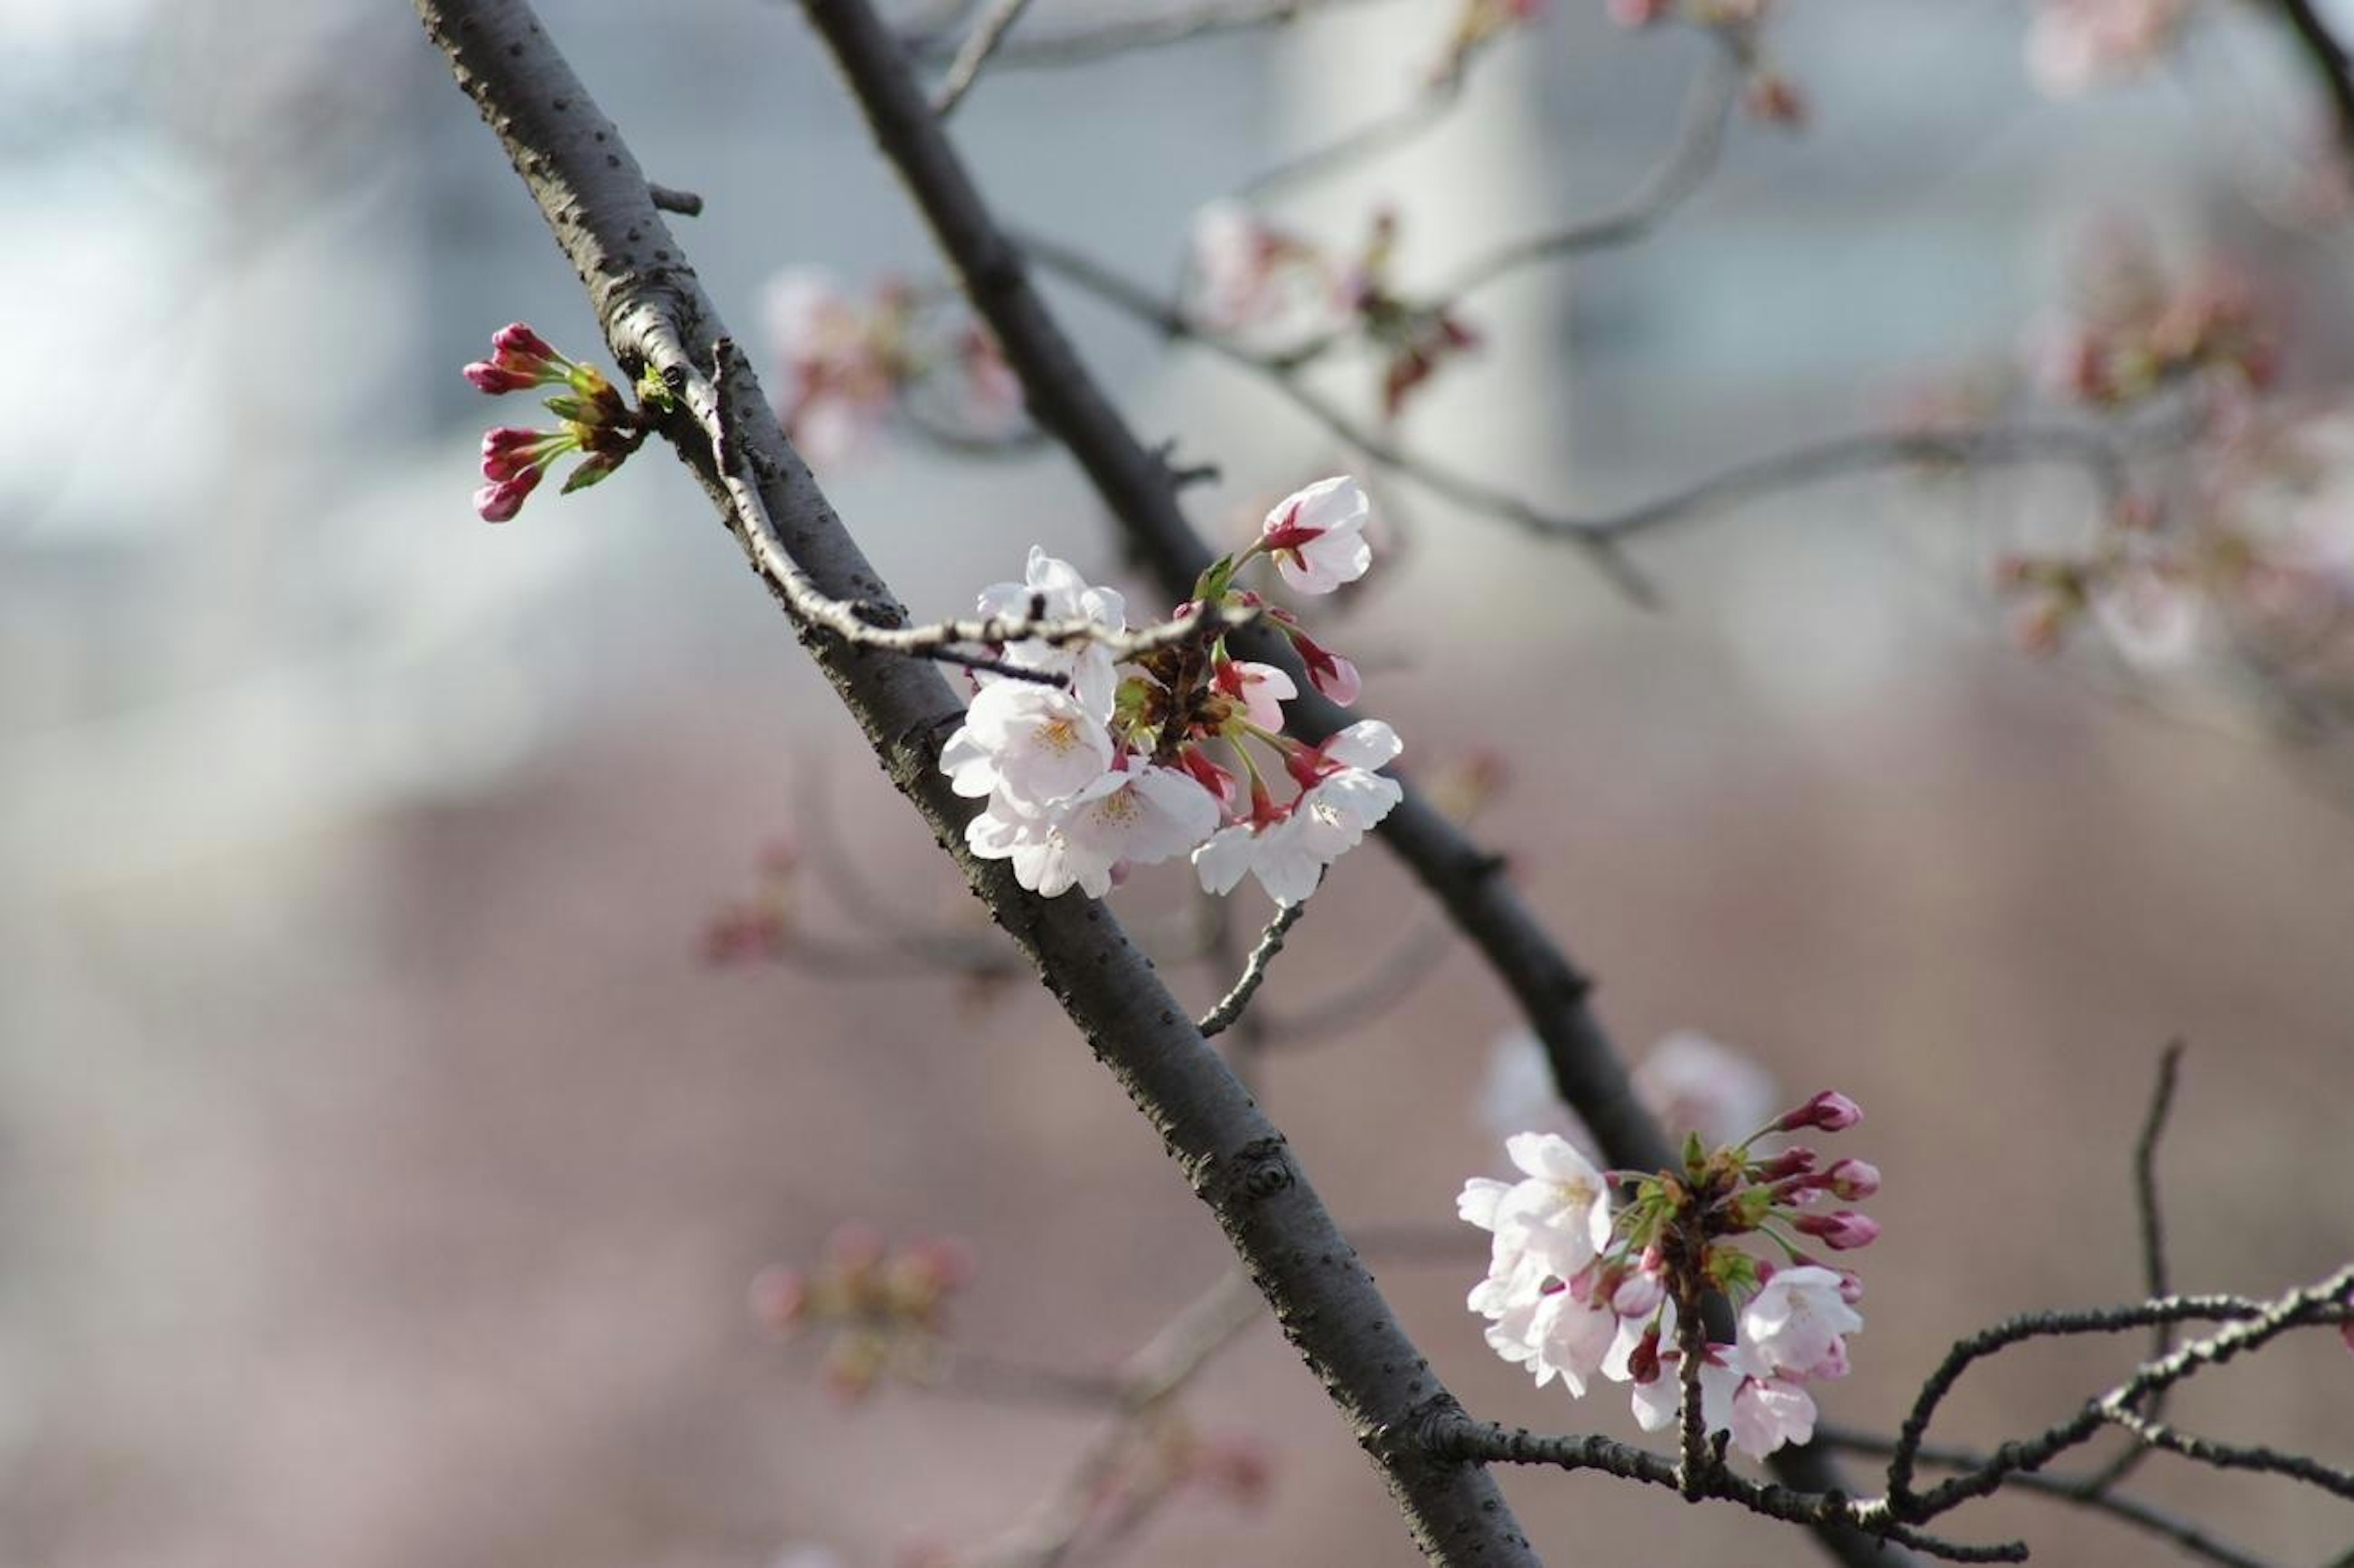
<point x="1577" y="1288"/>
<point x="1766" y="93"/>
<point x="1178" y="750"/>
<point x="1248" y="278"/>
<point x="596" y="421"/>
<point x="881" y="1306"/>
<point x="848" y="365"/>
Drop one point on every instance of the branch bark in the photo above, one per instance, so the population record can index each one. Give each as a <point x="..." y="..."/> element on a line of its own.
<point x="655" y="315"/>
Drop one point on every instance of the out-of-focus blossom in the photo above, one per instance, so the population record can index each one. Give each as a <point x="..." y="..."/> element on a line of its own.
<point x="1692" y="1083"/>
<point x="1248" y="278"/>
<point x="2074" y="45"/>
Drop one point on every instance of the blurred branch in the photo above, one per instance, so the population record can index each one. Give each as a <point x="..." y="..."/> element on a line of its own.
<point x="1148" y="1379"/>
<point x="657" y="319"/>
<point x="986" y="36"/>
<point x="1135" y="485"/>
<point x="1385" y="983"/>
<point x="1600" y="534"/>
<point x="1079" y="46"/>
<point x="1690" y="158"/>
<point x="2329" y="60"/>
<point x="1393" y="128"/>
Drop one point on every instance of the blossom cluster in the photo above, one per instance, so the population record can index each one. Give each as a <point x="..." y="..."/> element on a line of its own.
<point x="883" y="1305"/>
<point x="1133" y="763"/>
<point x="848" y="365"/>
<point x="1578" y="1287"/>
<point x="1246" y="277"/>
<point x="2238" y="545"/>
<point x="596" y="421"/>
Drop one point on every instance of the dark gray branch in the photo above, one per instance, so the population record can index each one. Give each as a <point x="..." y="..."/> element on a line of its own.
<point x="2156" y="1277"/>
<point x="655" y="315"/>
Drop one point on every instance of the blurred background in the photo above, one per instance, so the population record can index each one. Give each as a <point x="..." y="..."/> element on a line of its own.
<point x="383" y="1164"/>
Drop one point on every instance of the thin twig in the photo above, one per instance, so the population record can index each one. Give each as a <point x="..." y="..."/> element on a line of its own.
<point x="2231" y="1456"/>
<point x="2156" y="1277"/>
<point x="1393" y="128"/>
<point x="1600" y="534"/>
<point x="982" y="42"/>
<point x="2083" y="1492"/>
<point x="1388" y="981"/>
<point x="1459" y="1437"/>
<point x="1221" y="1017"/>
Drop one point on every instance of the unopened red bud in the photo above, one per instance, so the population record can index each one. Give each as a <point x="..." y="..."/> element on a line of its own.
<point x="1852" y="1178"/>
<point x="497" y="378"/>
<point x="518" y="339"/>
<point x="1829" y="1110"/>
<point x="1643" y="1360"/>
<point x="1841" y="1232"/>
<point x="1796" y="1160"/>
<point x="498" y="502"/>
<point x="1850" y="1286"/>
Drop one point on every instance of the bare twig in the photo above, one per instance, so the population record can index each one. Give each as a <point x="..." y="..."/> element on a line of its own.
<point x="982" y="42"/>
<point x="1458" y="1436"/>
<point x="2156" y="1279"/>
<point x="2083" y="1492"/>
<point x="686" y="204"/>
<point x="2231" y="1455"/>
<point x="656" y="318"/>
<point x="2249" y="1324"/>
<point x="1387" y="981"/>
<point x="1393" y="128"/>
<point x="1221" y="1017"/>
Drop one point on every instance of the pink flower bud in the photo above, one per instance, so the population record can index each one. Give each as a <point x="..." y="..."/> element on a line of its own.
<point x="1796" y="1160"/>
<point x="1850" y="1286"/>
<point x="498" y="502"/>
<point x="514" y="338"/>
<point x="1830" y="1110"/>
<point x="1852" y="1178"/>
<point x="1841" y="1232"/>
<point x="497" y="378"/>
<point x="1643" y="1361"/>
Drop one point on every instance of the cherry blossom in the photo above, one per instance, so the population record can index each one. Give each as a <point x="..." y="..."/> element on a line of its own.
<point x="1028" y="745"/>
<point x="1797" y="1322"/>
<point x="1317" y="536"/>
<point x="1139" y="817"/>
<point x="1055" y="588"/>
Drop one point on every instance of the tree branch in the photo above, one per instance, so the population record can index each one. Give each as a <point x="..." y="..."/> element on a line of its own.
<point x="1136" y="488"/>
<point x="1080" y="46"/>
<point x="655" y="315"/>
<point x="1221" y="1017"/>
